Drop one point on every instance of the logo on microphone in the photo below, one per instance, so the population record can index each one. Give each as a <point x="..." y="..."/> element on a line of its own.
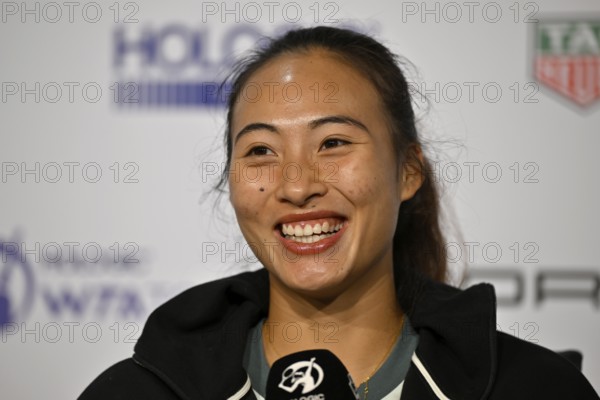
<point x="306" y="373"/>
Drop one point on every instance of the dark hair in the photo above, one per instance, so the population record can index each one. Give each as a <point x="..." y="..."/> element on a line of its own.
<point x="418" y="241"/>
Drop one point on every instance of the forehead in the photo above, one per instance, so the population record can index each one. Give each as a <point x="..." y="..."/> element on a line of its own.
<point x="299" y="86"/>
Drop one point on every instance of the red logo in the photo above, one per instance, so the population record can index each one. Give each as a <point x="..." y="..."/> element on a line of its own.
<point x="567" y="58"/>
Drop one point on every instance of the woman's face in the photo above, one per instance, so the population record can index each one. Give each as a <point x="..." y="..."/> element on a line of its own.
<point x="314" y="181"/>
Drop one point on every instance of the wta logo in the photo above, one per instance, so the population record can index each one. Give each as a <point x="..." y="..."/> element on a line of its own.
<point x="16" y="286"/>
<point x="307" y="374"/>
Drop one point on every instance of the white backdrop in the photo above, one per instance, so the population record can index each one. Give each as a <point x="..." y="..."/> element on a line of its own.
<point x="102" y="214"/>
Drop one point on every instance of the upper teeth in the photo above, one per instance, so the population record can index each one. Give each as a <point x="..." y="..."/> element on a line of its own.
<point x="308" y="230"/>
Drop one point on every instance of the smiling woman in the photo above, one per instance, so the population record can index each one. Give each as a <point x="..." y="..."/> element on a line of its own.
<point x="343" y="215"/>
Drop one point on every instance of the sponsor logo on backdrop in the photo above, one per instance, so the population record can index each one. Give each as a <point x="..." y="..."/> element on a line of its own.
<point x="174" y="65"/>
<point x="567" y="58"/>
<point x="73" y="281"/>
<point x="515" y="287"/>
<point x="178" y="65"/>
<point x="16" y="287"/>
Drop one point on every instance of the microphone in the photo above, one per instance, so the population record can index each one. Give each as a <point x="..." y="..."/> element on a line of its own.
<point x="310" y="375"/>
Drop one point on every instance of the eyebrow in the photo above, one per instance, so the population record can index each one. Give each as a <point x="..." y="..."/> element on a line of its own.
<point x="314" y="124"/>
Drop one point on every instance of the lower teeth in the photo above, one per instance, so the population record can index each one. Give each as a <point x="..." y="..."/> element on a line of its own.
<point x="308" y="239"/>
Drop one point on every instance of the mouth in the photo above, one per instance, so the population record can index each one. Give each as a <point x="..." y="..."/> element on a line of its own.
<point x="311" y="233"/>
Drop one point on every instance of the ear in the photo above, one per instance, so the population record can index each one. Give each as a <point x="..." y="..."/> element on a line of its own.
<point x="411" y="173"/>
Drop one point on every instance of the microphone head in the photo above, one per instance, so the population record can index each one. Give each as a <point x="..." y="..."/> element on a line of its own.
<point x="310" y="375"/>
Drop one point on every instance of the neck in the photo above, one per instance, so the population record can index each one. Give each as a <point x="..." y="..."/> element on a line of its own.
<point x="359" y="326"/>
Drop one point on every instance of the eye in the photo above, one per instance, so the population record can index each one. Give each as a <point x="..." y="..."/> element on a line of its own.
<point x="330" y="143"/>
<point x="259" y="151"/>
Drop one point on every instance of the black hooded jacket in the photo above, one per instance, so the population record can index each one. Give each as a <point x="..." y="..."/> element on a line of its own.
<point x="192" y="347"/>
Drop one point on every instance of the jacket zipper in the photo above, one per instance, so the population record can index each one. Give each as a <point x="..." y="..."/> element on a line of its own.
<point x="243" y="391"/>
<point x="438" y="392"/>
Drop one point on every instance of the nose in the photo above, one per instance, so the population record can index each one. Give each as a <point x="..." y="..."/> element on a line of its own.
<point x="300" y="183"/>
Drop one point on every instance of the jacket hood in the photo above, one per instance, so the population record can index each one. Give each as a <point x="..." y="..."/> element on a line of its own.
<point x="200" y="336"/>
<point x="457" y="338"/>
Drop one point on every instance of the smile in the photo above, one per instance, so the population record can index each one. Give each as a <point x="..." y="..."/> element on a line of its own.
<point x="310" y="232"/>
<point x="312" y="235"/>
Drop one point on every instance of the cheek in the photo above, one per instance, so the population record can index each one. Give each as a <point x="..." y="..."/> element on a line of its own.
<point x="247" y="199"/>
<point x="360" y="182"/>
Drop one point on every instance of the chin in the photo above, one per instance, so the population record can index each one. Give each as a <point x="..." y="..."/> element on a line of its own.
<point x="315" y="280"/>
